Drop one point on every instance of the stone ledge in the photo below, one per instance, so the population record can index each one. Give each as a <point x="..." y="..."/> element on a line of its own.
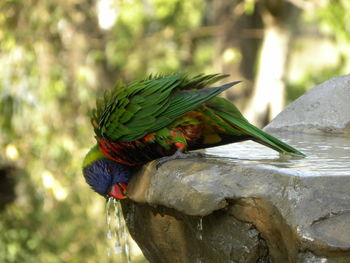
<point x="252" y="205"/>
<point x="315" y="208"/>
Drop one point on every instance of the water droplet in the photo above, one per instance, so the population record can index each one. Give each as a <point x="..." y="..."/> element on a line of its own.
<point x="117" y="232"/>
<point x="108" y="218"/>
<point x="121" y="231"/>
<point x="200" y="229"/>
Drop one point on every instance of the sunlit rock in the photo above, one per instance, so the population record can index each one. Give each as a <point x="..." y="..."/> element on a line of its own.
<point x="253" y="205"/>
<point x="323" y="109"/>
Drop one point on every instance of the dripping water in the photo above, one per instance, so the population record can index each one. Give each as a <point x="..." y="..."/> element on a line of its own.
<point x="199" y="235"/>
<point x="200" y="229"/>
<point x="117" y="233"/>
<point x="108" y="218"/>
<point x="121" y="232"/>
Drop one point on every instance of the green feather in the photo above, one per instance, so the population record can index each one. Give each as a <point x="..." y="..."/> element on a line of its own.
<point x="131" y="111"/>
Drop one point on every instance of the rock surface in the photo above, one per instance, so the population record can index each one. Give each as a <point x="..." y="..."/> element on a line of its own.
<point x="251" y="205"/>
<point x="323" y="109"/>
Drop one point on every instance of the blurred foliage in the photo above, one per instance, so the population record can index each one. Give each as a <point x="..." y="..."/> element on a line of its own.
<point x="56" y="57"/>
<point x="329" y="20"/>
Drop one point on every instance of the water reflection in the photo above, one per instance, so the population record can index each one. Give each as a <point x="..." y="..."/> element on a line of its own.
<point x="326" y="155"/>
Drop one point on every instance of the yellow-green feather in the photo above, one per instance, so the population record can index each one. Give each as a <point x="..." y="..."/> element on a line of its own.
<point x="93" y="155"/>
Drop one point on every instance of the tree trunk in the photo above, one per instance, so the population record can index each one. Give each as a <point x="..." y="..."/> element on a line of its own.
<point x="239" y="37"/>
<point x="268" y="98"/>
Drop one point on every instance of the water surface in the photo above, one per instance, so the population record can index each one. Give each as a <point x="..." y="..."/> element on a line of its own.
<point x="326" y="155"/>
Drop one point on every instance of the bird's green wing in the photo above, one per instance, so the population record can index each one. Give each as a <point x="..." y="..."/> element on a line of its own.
<point x="178" y="103"/>
<point x="142" y="107"/>
<point x="132" y="109"/>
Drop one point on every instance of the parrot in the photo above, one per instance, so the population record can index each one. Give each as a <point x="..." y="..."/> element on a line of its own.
<point x="163" y="117"/>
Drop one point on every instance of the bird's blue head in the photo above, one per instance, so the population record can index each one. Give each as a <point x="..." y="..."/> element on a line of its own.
<point x="105" y="176"/>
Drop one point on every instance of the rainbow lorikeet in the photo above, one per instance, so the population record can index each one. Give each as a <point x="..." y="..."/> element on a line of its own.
<point x="163" y="116"/>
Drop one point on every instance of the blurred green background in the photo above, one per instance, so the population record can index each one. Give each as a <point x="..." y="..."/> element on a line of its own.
<point x="57" y="56"/>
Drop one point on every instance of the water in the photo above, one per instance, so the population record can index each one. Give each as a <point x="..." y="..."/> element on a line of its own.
<point x="326" y="155"/>
<point x="117" y="233"/>
<point x="199" y="236"/>
<point x="200" y="229"/>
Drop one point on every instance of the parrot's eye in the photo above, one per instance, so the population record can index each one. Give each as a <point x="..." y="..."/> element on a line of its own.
<point x="109" y="170"/>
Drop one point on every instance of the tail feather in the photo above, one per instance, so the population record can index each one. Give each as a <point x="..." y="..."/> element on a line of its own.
<point x="258" y="135"/>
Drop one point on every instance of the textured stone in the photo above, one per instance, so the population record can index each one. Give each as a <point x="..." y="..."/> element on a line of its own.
<point x="289" y="210"/>
<point x="165" y="235"/>
<point x="254" y="205"/>
<point x="323" y="109"/>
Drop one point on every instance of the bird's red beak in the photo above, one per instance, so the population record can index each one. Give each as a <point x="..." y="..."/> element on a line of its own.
<point x="118" y="191"/>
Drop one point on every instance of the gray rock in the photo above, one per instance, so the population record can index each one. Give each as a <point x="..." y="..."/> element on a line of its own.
<point x="165" y="235"/>
<point x="245" y="203"/>
<point x="253" y="210"/>
<point x="323" y="109"/>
